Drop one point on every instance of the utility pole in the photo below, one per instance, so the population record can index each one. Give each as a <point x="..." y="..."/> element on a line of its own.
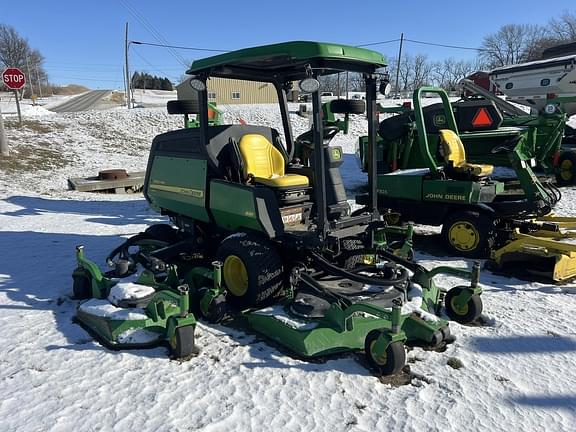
<point x="39" y="82"/>
<point x="30" y="79"/>
<point x="398" y="65"/>
<point x="4" y="151"/>
<point x="128" y="86"/>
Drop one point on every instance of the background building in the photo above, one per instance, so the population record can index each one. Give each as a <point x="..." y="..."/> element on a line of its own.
<point x="228" y="91"/>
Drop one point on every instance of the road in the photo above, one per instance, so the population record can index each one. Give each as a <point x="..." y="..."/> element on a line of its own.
<point x="81" y="103"/>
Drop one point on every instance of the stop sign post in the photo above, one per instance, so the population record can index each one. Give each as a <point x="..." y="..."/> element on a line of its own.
<point x="14" y="79"/>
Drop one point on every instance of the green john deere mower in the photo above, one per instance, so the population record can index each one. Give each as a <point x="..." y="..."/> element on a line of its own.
<point x="424" y="175"/>
<point x="261" y="235"/>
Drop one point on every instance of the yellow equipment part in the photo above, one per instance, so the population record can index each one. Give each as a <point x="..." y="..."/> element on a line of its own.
<point x="566" y="226"/>
<point x="265" y="164"/>
<point x="543" y="256"/>
<point x="455" y="153"/>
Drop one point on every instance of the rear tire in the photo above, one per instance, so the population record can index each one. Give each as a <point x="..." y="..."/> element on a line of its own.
<point x="188" y="106"/>
<point x="468" y="233"/>
<point x="391" y="362"/>
<point x="350" y="255"/>
<point x="347" y="106"/>
<point x="252" y="270"/>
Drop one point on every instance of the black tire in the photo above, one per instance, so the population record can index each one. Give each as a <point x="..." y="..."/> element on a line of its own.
<point x="187" y="106"/>
<point x="182" y="344"/>
<point x="352" y="252"/>
<point x="347" y="106"/>
<point x="468" y="233"/>
<point x="469" y="313"/>
<point x="252" y="270"/>
<point x="566" y="169"/>
<point x="394" y="360"/>
<point x="82" y="286"/>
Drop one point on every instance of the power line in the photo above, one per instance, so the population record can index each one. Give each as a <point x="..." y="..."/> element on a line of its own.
<point x="150" y="64"/>
<point x="180" y="47"/>
<point x="444" y="45"/>
<point x="423" y="43"/>
<point x="155" y="33"/>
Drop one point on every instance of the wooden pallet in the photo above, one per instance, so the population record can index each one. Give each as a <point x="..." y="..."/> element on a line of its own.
<point x="133" y="183"/>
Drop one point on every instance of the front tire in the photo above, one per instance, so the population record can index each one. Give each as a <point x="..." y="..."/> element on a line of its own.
<point x="82" y="285"/>
<point x="391" y="362"/>
<point x="465" y="314"/>
<point x="182" y="343"/>
<point x="468" y="233"/>
<point x="252" y="270"/>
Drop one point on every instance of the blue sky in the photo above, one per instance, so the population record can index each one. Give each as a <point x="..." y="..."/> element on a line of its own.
<point x="83" y="42"/>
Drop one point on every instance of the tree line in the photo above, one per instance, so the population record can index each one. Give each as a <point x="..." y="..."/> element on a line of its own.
<point x="143" y="80"/>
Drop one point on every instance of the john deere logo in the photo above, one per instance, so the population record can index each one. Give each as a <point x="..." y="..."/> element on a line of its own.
<point x="439" y="120"/>
<point x="336" y="154"/>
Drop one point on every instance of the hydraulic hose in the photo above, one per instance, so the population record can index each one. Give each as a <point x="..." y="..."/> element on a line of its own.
<point x="401" y="278"/>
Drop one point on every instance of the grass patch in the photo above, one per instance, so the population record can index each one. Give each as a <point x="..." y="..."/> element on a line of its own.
<point x="118" y="97"/>
<point x="34" y="125"/>
<point x="31" y="159"/>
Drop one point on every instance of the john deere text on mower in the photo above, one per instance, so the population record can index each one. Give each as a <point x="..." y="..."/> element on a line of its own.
<point x="267" y="237"/>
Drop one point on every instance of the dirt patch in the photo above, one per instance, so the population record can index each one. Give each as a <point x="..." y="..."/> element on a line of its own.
<point x="405" y="377"/>
<point x="32" y="159"/>
<point x="118" y="97"/>
<point x="34" y="125"/>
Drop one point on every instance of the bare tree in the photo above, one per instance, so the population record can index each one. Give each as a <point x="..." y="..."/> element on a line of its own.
<point x="513" y="43"/>
<point x="448" y="73"/>
<point x="16" y="52"/>
<point x="563" y="29"/>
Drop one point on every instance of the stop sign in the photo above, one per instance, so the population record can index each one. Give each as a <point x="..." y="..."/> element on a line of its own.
<point x="13" y="78"/>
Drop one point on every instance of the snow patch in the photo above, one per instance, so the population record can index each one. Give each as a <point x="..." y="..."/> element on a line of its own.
<point x="279" y="313"/>
<point x="129" y="291"/>
<point x="138" y="336"/>
<point x="104" y="309"/>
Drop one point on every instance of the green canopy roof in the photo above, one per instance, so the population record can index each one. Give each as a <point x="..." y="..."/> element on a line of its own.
<point x="288" y="60"/>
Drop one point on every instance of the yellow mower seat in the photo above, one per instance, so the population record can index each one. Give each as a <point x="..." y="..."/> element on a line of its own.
<point x="455" y="155"/>
<point x="265" y="164"/>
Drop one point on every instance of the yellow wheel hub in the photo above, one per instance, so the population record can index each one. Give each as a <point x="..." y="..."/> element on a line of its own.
<point x="235" y="275"/>
<point x="566" y="167"/>
<point x="460" y="310"/>
<point x="464" y="236"/>
<point x="378" y="359"/>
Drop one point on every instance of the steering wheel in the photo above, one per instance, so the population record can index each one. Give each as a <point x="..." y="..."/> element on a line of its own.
<point x="329" y="132"/>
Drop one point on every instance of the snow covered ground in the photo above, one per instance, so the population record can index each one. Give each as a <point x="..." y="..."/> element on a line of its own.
<point x="519" y="370"/>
